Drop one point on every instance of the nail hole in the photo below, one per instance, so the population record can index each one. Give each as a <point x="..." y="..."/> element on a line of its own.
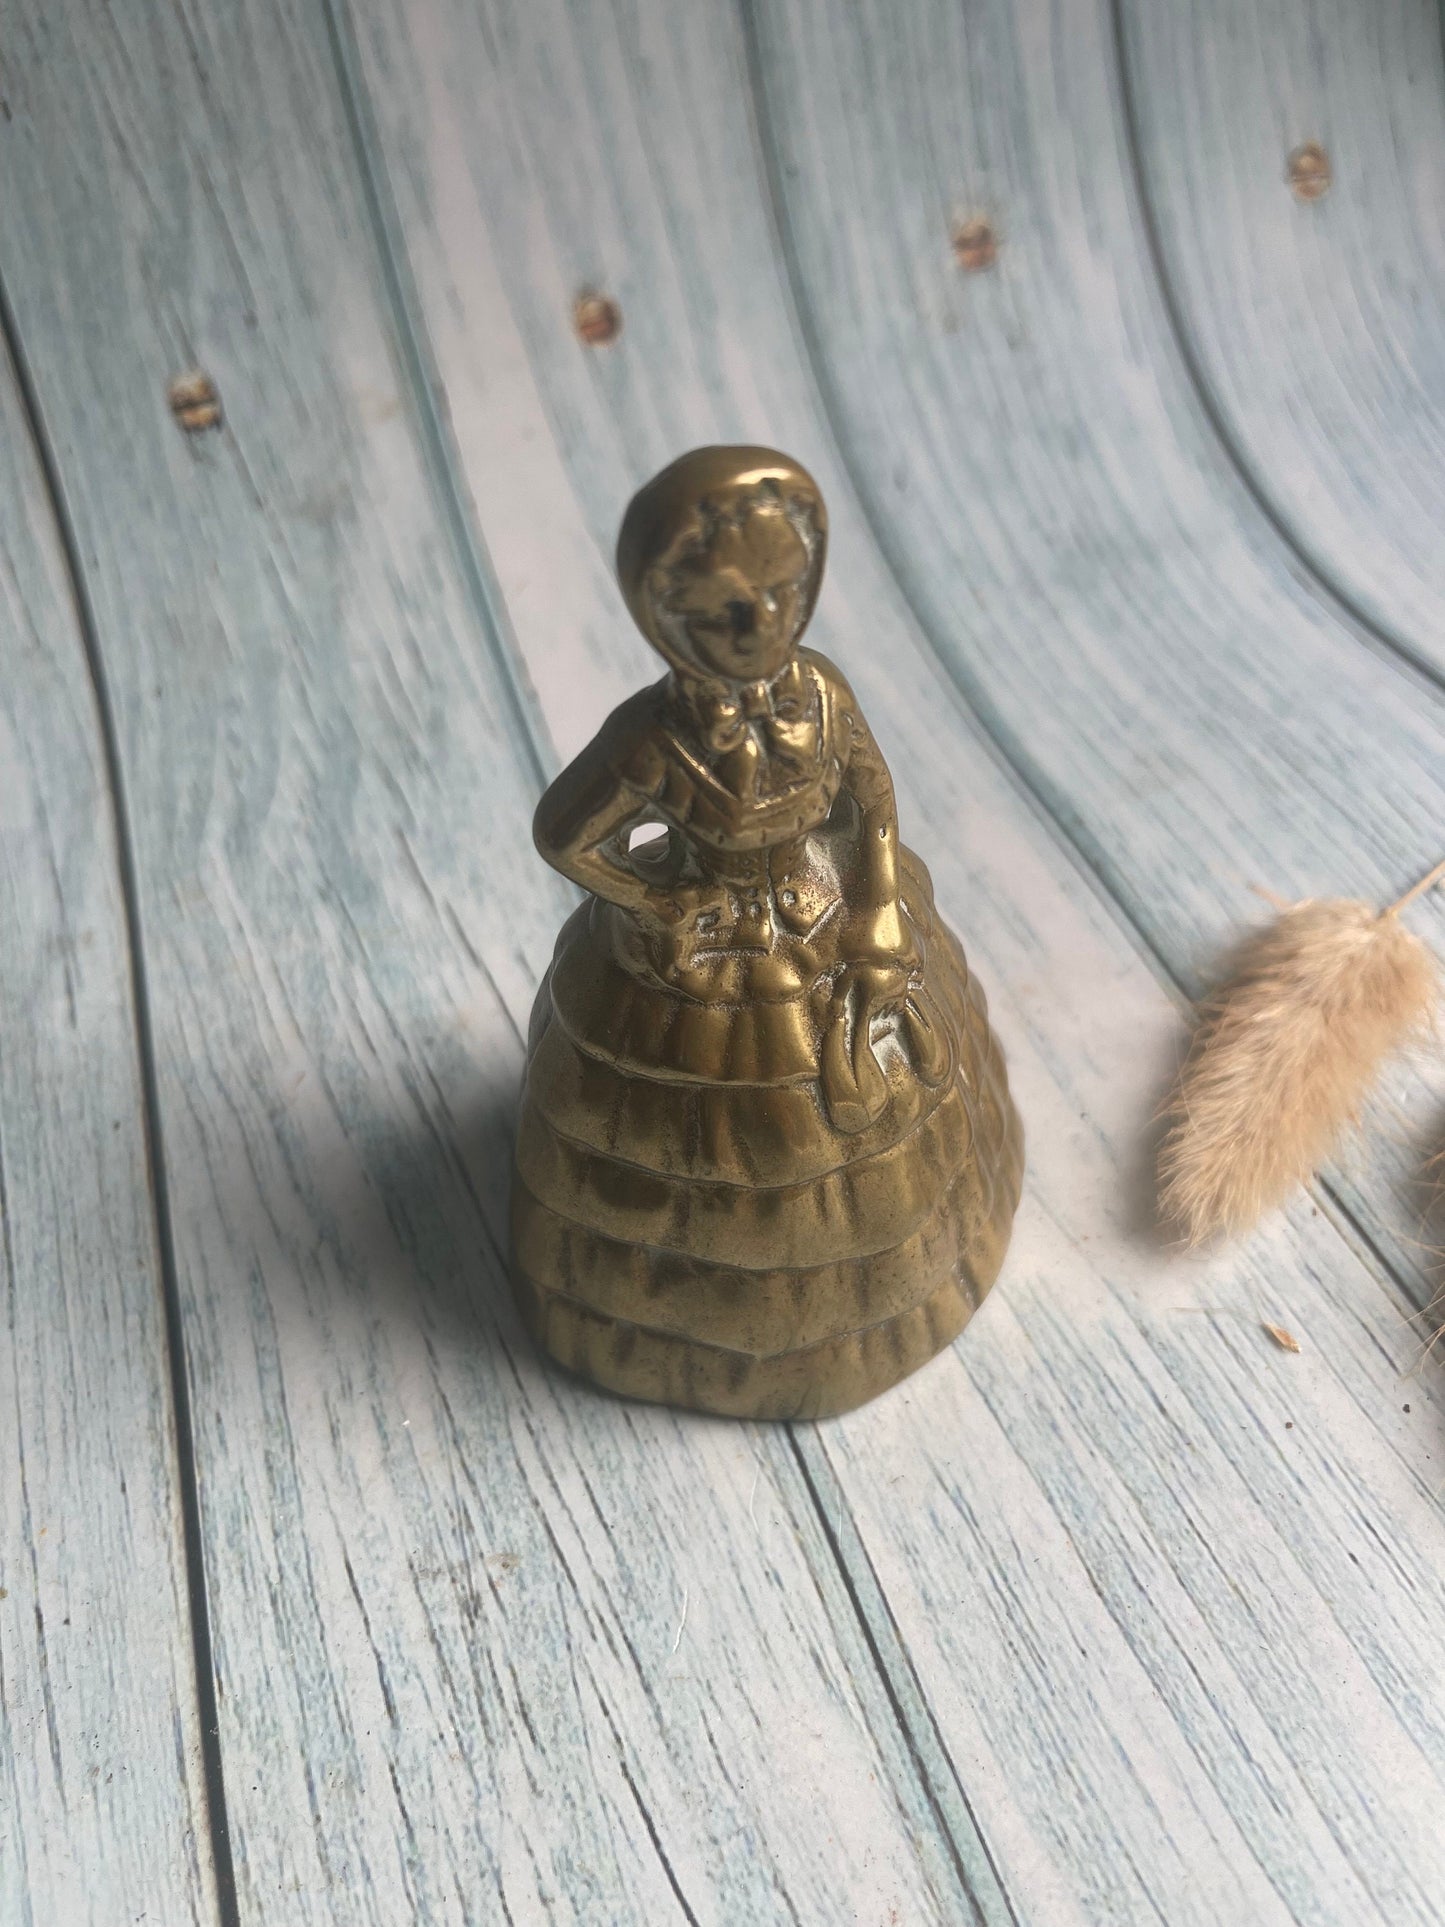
<point x="645" y="833"/>
<point x="194" y="401"/>
<point x="597" y="319"/>
<point x="975" y="245"/>
<point x="1309" y="172"/>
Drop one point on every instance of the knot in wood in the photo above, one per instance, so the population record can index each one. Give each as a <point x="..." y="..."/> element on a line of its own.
<point x="194" y="402"/>
<point x="1309" y="172"/>
<point x="975" y="245"/>
<point x="597" y="319"/>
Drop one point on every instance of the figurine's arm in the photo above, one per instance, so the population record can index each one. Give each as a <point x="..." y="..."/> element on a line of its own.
<point x="582" y="822"/>
<point x="877" y="927"/>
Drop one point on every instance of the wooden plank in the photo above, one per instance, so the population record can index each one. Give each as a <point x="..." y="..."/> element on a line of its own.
<point x="102" y="1785"/>
<point x="1196" y="712"/>
<point x="1314" y="324"/>
<point x="1160" y="1603"/>
<point x="487" y="1645"/>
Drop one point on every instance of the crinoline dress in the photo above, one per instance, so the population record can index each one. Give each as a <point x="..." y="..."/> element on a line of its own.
<point x="691" y="1223"/>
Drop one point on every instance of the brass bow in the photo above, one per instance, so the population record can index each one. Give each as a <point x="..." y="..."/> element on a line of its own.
<point x="755" y="727"/>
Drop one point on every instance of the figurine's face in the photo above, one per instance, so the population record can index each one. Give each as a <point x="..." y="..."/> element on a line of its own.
<point x="741" y="601"/>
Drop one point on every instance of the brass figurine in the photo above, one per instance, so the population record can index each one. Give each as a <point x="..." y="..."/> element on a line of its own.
<point x="767" y="1162"/>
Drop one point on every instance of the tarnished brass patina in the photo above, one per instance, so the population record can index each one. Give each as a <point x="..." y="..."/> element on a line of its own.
<point x="767" y="1162"/>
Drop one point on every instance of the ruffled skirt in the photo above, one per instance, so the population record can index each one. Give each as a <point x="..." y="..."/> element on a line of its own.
<point x="690" y="1226"/>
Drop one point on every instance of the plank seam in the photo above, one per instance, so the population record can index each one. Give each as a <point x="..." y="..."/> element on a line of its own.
<point x="996" y="737"/>
<point x="418" y="367"/>
<point x="1377" y="635"/>
<point x="213" y="1789"/>
<point x="937" y="1774"/>
<point x="650" y="1824"/>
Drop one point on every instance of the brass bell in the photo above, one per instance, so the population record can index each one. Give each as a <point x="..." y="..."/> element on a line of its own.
<point x="767" y="1162"/>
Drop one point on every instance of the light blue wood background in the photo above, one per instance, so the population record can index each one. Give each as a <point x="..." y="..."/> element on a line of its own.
<point x="324" y="1601"/>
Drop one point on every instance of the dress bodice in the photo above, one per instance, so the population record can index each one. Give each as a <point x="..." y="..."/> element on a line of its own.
<point x="753" y="769"/>
<point x="759" y="823"/>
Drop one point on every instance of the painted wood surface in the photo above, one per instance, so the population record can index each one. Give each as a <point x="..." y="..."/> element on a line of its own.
<point x="469" y="1622"/>
<point x="1116" y="1613"/>
<point x="499" y="234"/>
<point x="102" y="1787"/>
<point x="1314" y="326"/>
<point x="1197" y="712"/>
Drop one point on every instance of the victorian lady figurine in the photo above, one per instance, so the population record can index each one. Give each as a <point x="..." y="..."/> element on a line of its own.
<point x="767" y="1161"/>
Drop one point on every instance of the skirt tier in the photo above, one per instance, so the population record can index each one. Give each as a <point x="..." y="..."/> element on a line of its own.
<point x="688" y="1225"/>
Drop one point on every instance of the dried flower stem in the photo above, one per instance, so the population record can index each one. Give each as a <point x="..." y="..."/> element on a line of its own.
<point x="1427" y="882"/>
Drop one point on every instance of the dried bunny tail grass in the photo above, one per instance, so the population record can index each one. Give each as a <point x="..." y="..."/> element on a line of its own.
<point x="1284" y="1057"/>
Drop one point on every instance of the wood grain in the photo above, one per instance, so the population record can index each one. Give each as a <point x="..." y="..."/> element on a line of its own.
<point x="1315" y="326"/>
<point x="102" y="1790"/>
<point x="487" y="1646"/>
<point x="1134" y="1585"/>
<point x="1198" y="715"/>
<point x="1116" y="1612"/>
